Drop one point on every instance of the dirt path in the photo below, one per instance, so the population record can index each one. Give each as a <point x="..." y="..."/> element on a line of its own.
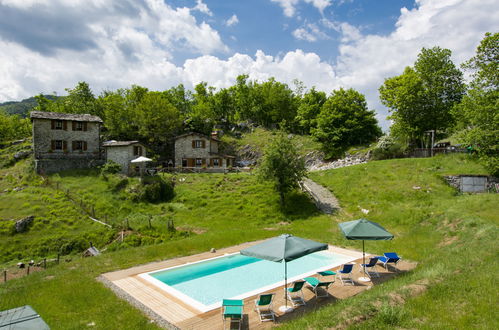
<point x="324" y="199"/>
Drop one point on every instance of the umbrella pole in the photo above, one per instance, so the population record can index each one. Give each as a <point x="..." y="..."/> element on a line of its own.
<point x="363" y="257"/>
<point x="285" y="284"/>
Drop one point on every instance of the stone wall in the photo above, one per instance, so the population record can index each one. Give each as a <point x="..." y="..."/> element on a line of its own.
<point x="184" y="149"/>
<point x="47" y="166"/>
<point x="123" y="155"/>
<point x="43" y="134"/>
<point x="51" y="161"/>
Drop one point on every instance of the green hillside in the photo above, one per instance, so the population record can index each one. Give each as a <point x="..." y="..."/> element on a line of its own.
<point x="23" y="107"/>
<point x="452" y="237"/>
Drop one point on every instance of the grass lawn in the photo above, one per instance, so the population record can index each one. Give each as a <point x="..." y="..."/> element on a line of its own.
<point x="260" y="137"/>
<point x="452" y="236"/>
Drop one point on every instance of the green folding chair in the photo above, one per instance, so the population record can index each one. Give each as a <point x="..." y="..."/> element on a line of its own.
<point x="233" y="309"/>
<point x="318" y="286"/>
<point x="263" y="306"/>
<point x="295" y="294"/>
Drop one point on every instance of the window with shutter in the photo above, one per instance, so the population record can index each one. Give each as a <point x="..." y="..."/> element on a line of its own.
<point x="78" y="126"/>
<point x="57" y="145"/>
<point x="199" y="162"/>
<point x="84" y="145"/>
<point x="65" y="145"/>
<point x="85" y="126"/>
<point x="65" y="125"/>
<point x="57" y="124"/>
<point x="137" y="151"/>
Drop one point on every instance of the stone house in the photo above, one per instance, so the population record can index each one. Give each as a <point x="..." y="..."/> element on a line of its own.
<point x="122" y="152"/>
<point x="63" y="141"/>
<point x="199" y="150"/>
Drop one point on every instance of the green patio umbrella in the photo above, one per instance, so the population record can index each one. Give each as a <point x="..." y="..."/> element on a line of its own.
<point x="285" y="248"/>
<point x="363" y="229"/>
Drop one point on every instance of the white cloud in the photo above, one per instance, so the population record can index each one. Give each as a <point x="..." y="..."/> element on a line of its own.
<point x="134" y="44"/>
<point x="223" y="73"/>
<point x="320" y="4"/>
<point x="202" y="7"/>
<point x="309" y="32"/>
<point x="233" y="20"/>
<point x="289" y="6"/>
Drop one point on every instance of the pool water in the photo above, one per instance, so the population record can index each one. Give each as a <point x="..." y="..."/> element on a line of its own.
<point x="204" y="284"/>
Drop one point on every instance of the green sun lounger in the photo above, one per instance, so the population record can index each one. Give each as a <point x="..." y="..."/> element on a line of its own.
<point x="295" y="294"/>
<point x="233" y="309"/>
<point x="316" y="285"/>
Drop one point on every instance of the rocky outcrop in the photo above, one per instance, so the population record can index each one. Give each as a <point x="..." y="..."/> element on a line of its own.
<point x="347" y="161"/>
<point x="23" y="224"/>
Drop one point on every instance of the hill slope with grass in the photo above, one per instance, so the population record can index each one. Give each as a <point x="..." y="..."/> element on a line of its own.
<point x="450" y="235"/>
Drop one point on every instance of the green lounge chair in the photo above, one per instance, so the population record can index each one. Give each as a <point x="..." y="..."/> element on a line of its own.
<point x="233" y="309"/>
<point x="297" y="299"/>
<point x="316" y="285"/>
<point x="263" y="306"/>
<point x="327" y="273"/>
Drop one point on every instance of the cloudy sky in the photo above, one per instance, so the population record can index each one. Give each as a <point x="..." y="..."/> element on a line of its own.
<point x="49" y="45"/>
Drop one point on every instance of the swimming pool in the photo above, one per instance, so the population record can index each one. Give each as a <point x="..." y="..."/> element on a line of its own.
<point x="204" y="284"/>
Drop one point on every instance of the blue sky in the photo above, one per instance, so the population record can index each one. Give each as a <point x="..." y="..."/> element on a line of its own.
<point x="49" y="45"/>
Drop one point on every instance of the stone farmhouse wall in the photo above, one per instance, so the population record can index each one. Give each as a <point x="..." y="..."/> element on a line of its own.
<point x="123" y="155"/>
<point x="50" y="160"/>
<point x="43" y="134"/>
<point x="185" y="149"/>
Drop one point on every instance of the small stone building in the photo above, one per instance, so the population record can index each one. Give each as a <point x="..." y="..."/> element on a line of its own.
<point x="122" y="152"/>
<point x="199" y="150"/>
<point x="63" y="141"/>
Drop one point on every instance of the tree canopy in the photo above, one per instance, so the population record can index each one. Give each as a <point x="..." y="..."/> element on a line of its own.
<point x="478" y="113"/>
<point x="421" y="98"/>
<point x="345" y="121"/>
<point x="281" y="165"/>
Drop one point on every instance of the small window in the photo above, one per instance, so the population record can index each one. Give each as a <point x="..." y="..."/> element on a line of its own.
<point x="216" y="162"/>
<point x="198" y="144"/>
<point x="79" y="145"/>
<point x="77" y="126"/>
<point x="58" y="124"/>
<point x="137" y="151"/>
<point x="58" y="145"/>
<point x="199" y="162"/>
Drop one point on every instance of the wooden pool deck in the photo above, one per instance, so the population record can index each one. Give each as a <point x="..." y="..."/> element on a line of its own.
<point x="169" y="311"/>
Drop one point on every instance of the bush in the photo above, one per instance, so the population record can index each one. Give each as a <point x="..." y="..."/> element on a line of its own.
<point x="388" y="148"/>
<point x="110" y="167"/>
<point x="152" y="189"/>
<point x="117" y="182"/>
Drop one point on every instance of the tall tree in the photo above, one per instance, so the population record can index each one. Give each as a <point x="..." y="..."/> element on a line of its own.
<point x="345" y="121"/>
<point x="422" y="97"/>
<point x="478" y="113"/>
<point x="158" y="121"/>
<point x="309" y="109"/>
<point x="281" y="165"/>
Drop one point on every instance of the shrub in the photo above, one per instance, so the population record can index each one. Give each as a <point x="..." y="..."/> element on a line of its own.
<point x="388" y="148"/>
<point x="110" y="167"/>
<point x="152" y="189"/>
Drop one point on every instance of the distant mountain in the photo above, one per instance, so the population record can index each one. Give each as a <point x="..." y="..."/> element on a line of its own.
<point x="22" y="107"/>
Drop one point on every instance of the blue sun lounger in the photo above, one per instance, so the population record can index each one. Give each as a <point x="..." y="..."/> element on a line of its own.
<point x="389" y="258"/>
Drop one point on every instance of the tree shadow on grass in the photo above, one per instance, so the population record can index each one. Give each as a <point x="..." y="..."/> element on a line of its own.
<point x="94" y="172"/>
<point x="297" y="205"/>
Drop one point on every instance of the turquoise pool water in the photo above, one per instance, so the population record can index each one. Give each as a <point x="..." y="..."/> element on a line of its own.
<point x="237" y="276"/>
